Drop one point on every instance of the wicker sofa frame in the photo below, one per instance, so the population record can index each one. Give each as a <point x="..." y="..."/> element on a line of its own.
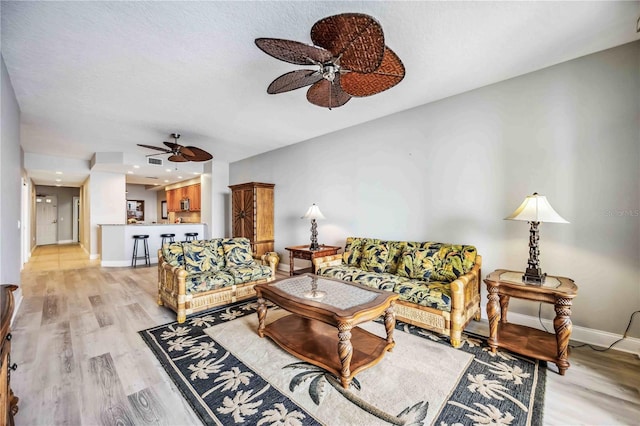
<point x="465" y="303"/>
<point x="172" y="290"/>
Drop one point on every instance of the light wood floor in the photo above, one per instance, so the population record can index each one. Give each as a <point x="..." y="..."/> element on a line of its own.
<point x="81" y="361"/>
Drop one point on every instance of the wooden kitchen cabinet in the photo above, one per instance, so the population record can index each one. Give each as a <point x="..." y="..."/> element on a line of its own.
<point x="252" y="214"/>
<point x="173" y="200"/>
<point x="192" y="192"/>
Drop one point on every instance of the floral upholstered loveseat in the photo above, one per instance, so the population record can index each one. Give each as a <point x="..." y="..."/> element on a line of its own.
<point x="438" y="284"/>
<point x="198" y="275"/>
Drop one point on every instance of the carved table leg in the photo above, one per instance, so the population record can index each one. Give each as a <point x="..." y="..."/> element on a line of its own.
<point x="291" y="263"/>
<point x="390" y="325"/>
<point x="562" y="325"/>
<point x="345" y="351"/>
<point x="504" y="307"/>
<point x="493" y="312"/>
<point x="262" y="314"/>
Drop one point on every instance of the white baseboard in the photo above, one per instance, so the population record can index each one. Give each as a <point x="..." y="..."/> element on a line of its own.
<point x="579" y="334"/>
<point x="17" y="298"/>
<point x="66" y="242"/>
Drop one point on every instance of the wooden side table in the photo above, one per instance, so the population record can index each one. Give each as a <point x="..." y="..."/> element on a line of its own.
<point x="303" y="252"/>
<point x="503" y="284"/>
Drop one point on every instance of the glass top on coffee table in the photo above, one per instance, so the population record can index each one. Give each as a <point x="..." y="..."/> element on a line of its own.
<point x="326" y="291"/>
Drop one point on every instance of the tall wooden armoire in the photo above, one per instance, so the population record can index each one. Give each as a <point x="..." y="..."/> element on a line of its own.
<point x="252" y="214"/>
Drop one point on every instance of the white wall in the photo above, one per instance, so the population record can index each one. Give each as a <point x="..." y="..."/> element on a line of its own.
<point x="10" y="183"/>
<point x="107" y="204"/>
<point x="150" y="198"/>
<point x="451" y="170"/>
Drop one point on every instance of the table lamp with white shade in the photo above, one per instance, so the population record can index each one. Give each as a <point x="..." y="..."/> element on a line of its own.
<point x="314" y="213"/>
<point x="535" y="209"/>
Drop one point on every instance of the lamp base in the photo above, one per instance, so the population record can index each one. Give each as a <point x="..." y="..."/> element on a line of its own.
<point x="534" y="276"/>
<point x="315" y="246"/>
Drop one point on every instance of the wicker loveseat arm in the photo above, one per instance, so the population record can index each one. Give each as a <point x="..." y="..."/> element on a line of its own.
<point x="465" y="295"/>
<point x="333" y="260"/>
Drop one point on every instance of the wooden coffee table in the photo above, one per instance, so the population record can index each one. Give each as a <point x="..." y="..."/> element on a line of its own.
<point x="322" y="329"/>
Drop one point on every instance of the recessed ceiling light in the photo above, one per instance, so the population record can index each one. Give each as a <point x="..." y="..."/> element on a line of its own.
<point x="130" y="172"/>
<point x="179" y="177"/>
<point x="58" y="180"/>
<point x="136" y="166"/>
<point x="166" y="181"/>
<point x="156" y="184"/>
<point x="58" y="173"/>
<point x="197" y="173"/>
<point x="167" y="170"/>
<point x="58" y="184"/>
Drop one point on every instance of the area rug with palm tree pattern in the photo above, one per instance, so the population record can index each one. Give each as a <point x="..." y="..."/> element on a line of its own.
<point x="231" y="376"/>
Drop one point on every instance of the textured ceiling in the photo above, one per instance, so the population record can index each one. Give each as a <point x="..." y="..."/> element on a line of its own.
<point x="104" y="76"/>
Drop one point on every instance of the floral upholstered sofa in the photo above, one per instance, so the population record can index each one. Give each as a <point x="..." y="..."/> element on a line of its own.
<point x="198" y="275"/>
<point x="438" y="284"/>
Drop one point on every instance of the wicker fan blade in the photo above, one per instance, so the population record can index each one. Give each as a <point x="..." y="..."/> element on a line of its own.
<point x="187" y="151"/>
<point x="293" y="51"/>
<point x="293" y="80"/>
<point x="159" y="148"/>
<point x="390" y="73"/>
<point x="198" y="154"/>
<point x="327" y="95"/>
<point x="177" y="159"/>
<point x="355" y="38"/>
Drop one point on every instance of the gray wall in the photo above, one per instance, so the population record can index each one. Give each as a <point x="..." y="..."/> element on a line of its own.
<point x="65" y="208"/>
<point x="451" y="171"/>
<point x="10" y="182"/>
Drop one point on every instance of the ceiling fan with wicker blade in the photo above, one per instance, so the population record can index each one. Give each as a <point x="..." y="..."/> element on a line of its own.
<point x="351" y="59"/>
<point x="179" y="153"/>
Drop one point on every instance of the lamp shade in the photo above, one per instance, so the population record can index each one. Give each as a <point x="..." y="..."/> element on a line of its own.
<point x="536" y="208"/>
<point x="313" y="213"/>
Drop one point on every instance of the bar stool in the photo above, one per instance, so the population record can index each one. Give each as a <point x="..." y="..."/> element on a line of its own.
<point x="167" y="237"/>
<point x="191" y="236"/>
<point x="145" y="245"/>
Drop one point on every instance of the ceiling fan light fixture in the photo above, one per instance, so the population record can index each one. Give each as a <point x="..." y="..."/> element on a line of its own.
<point x="350" y="45"/>
<point x="179" y="153"/>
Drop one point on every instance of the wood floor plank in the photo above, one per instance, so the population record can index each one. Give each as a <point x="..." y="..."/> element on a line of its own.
<point x="111" y="404"/>
<point x="147" y="407"/>
<point x="101" y="311"/>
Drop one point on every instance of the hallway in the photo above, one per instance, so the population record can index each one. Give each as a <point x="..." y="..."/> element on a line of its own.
<point x="57" y="257"/>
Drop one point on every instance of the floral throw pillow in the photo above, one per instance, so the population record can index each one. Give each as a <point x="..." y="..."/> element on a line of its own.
<point x="374" y="256"/>
<point x="237" y="252"/>
<point x="173" y="254"/>
<point x="352" y="251"/>
<point x="416" y="264"/>
<point x="200" y="256"/>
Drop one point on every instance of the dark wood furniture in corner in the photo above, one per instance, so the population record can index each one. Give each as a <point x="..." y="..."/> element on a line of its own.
<point x="322" y="328"/>
<point x="252" y="214"/>
<point x="531" y="342"/>
<point x="303" y="252"/>
<point x="8" y="401"/>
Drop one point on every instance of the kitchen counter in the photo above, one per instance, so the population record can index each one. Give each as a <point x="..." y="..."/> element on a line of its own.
<point x="116" y="240"/>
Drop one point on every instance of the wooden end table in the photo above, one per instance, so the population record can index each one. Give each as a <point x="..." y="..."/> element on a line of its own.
<point x="322" y="328"/>
<point x="303" y="252"/>
<point x="531" y="342"/>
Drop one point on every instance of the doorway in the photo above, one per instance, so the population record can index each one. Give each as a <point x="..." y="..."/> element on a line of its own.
<point x="46" y="220"/>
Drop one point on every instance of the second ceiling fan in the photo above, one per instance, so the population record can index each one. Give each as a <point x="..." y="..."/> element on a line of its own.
<point x="179" y="153"/>
<point x="351" y="57"/>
